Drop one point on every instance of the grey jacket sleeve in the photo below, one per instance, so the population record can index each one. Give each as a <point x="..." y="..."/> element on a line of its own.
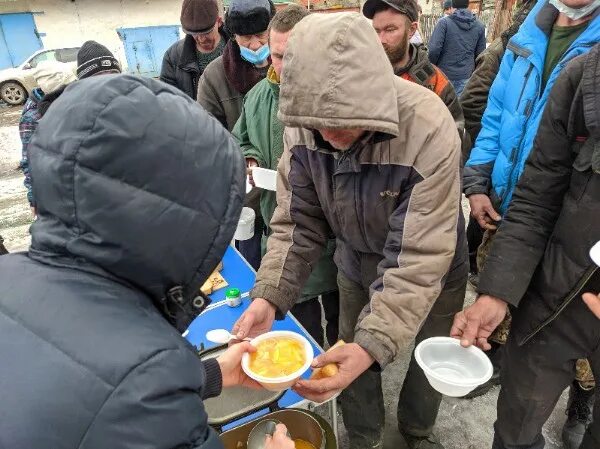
<point x="157" y="404"/>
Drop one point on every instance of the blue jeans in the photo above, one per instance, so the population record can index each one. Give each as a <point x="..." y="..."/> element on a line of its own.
<point x="459" y="86"/>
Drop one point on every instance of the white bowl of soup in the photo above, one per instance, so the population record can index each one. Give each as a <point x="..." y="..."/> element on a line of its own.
<point x="280" y="359"/>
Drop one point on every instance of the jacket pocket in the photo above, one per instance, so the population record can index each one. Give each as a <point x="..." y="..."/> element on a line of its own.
<point x="582" y="170"/>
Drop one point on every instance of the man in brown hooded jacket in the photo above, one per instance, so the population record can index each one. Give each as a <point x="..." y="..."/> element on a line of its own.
<point x="375" y="160"/>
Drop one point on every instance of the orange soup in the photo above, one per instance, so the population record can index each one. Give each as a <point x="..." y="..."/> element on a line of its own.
<point x="277" y="357"/>
<point x="301" y="444"/>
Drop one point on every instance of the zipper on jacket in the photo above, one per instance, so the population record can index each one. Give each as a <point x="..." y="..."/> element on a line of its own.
<point x="576" y="291"/>
<point x="360" y="222"/>
<point x="527" y="75"/>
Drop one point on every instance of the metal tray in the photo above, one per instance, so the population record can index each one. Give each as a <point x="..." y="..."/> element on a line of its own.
<point x="236" y="402"/>
<point x="300" y="423"/>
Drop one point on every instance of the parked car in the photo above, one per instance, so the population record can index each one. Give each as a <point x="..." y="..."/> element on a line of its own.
<point x="17" y="83"/>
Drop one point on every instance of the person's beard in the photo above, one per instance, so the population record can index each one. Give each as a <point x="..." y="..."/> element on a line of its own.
<point x="397" y="53"/>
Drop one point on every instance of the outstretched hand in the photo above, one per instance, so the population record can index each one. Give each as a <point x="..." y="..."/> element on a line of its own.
<point x="352" y="361"/>
<point x="476" y="323"/>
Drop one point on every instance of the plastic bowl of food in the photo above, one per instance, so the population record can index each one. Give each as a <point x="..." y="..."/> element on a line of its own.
<point x="280" y="359"/>
<point x="451" y="369"/>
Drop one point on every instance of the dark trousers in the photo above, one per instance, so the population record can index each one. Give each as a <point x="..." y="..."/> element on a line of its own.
<point x="474" y="239"/>
<point x="308" y="313"/>
<point x="362" y="402"/>
<point x="534" y="375"/>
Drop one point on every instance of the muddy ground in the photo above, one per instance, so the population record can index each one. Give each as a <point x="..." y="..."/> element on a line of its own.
<point x="462" y="424"/>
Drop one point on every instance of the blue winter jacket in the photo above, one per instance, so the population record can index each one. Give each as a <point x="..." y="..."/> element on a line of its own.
<point x="515" y="106"/>
<point x="456" y="42"/>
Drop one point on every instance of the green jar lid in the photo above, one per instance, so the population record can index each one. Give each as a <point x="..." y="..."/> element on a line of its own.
<point x="233" y="293"/>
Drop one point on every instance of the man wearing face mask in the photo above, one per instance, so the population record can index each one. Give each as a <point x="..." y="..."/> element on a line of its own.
<point x="205" y="40"/>
<point x="230" y="77"/>
<point x="244" y="63"/>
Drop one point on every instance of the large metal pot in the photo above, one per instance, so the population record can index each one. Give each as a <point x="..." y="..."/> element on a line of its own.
<point x="301" y="424"/>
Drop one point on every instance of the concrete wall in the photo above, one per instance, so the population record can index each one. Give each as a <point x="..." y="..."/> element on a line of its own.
<point x="70" y="23"/>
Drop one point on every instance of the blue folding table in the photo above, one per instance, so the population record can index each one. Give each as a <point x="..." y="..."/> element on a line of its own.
<point x="239" y="274"/>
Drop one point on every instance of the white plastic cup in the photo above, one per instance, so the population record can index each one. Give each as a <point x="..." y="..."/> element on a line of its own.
<point x="245" y="227"/>
<point x="451" y="369"/>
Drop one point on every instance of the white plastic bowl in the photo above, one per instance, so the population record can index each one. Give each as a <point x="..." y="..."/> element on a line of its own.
<point x="279" y="383"/>
<point x="451" y="369"/>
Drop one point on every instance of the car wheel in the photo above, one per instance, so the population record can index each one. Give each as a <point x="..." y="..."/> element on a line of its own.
<point x="13" y="93"/>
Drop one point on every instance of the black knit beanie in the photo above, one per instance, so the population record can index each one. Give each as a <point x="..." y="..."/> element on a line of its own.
<point x="246" y="17"/>
<point x="460" y="4"/>
<point x="94" y="58"/>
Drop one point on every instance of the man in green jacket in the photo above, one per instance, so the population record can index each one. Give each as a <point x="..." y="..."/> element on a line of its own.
<point x="260" y="134"/>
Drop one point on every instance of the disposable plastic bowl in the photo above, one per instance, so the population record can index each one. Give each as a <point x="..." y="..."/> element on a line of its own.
<point x="285" y="382"/>
<point x="451" y="369"/>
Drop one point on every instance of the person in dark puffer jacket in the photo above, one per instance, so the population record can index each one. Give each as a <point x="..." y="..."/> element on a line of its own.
<point x="456" y="41"/>
<point x="540" y="265"/>
<point x="118" y="254"/>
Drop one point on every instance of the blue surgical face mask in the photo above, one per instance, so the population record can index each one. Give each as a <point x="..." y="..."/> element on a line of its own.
<point x="255" y="57"/>
<point x="575" y="13"/>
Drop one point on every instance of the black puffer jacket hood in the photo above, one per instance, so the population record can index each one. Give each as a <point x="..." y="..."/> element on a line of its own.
<point x="135" y="181"/>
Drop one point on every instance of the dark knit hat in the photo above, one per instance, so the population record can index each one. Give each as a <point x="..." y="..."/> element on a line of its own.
<point x="447" y="4"/>
<point x="94" y="58"/>
<point x="406" y="7"/>
<point x="199" y="16"/>
<point x="460" y="4"/>
<point x="246" y="17"/>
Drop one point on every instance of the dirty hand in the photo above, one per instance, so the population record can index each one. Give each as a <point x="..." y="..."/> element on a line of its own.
<point x="250" y="164"/>
<point x="483" y="211"/>
<point x="257" y="319"/>
<point x="352" y="361"/>
<point x="476" y="323"/>
<point x="593" y="302"/>
<point x="279" y="440"/>
<point x="230" y="363"/>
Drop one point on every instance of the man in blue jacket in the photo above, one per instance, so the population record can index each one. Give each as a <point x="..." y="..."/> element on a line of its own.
<point x="456" y="42"/>
<point x="554" y="33"/>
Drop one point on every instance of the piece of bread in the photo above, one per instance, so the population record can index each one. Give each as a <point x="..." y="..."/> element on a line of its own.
<point x="214" y="282"/>
<point x="328" y="370"/>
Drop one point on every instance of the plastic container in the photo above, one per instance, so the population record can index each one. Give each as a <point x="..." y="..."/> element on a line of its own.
<point x="285" y="382"/>
<point x="265" y="178"/>
<point x="245" y="227"/>
<point x="595" y="253"/>
<point x="233" y="297"/>
<point x="451" y="369"/>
